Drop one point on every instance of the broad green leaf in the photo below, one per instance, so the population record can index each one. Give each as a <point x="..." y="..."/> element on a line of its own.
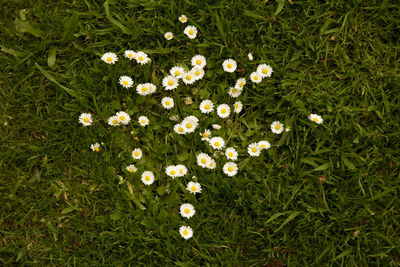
<point x="26" y="26"/>
<point x="69" y="27"/>
<point x="51" y="60"/>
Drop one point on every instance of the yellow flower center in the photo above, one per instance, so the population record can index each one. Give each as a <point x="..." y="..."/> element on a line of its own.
<point x="264" y="71"/>
<point x="130" y="170"/>
<point x="211" y="164"/>
<point x="205" y="135"/>
<point x="177" y="73"/>
<point x="254" y="149"/>
<point x="315" y="119"/>
<point x="170" y="83"/>
<point x="197" y="73"/>
<point x="191" y="32"/>
<point x="147" y="178"/>
<point x="277" y="127"/>
<point x="180" y="170"/>
<point x="203" y="161"/>
<point x="230" y="154"/>
<point x="172" y="172"/>
<point x="223" y="111"/>
<point x="236" y="106"/>
<point x="85" y="119"/>
<point x="168" y="36"/>
<point x="143" y="121"/>
<point x="255" y="78"/>
<point x="234" y="91"/>
<point x="241" y="84"/>
<point x="130" y="55"/>
<point x="96" y="149"/>
<point x="144" y="89"/>
<point x="263" y="146"/>
<point x="109" y="59"/>
<point x="185" y="232"/>
<point x="207" y="106"/>
<point x="125" y="82"/>
<point x="140" y="58"/>
<point x="136" y="153"/>
<point x="216" y="143"/>
<point x="229" y="65"/>
<point x="188" y="77"/>
<point x="122" y="118"/>
<point x="188" y="125"/>
<point x="193" y="188"/>
<point x="167" y="103"/>
<point x="187" y="211"/>
<point x="198" y="62"/>
<point x="180" y="129"/>
<point x="115" y="121"/>
<point x="230" y="169"/>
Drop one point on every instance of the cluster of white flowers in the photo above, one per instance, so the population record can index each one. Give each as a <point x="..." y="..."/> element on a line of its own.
<point x="188" y="125"/>
<point x="254" y="149"/>
<point x="174" y="171"/>
<point x="146" y="88"/>
<point x="120" y="118"/>
<point x="205" y="161"/>
<point x="140" y="57"/>
<point x="263" y="71"/>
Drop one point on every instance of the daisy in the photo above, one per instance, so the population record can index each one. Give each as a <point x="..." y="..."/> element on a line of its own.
<point x="152" y="87"/>
<point x="123" y="117"/>
<point x="95" y="147"/>
<point x="217" y="142"/>
<point x="237" y="107"/>
<point x="169" y="36"/>
<point x="167" y="102"/>
<point x="183" y="18"/>
<point x="188" y="77"/>
<point x="113" y="121"/>
<point x="143" y="120"/>
<point x="315" y="118"/>
<point x="231" y="153"/>
<point x="189" y="124"/>
<point x="234" y="92"/>
<point x="198" y="73"/>
<point x="172" y="171"/>
<point x="178" y="128"/>
<point x="186" y="232"/>
<point x="277" y="127"/>
<point x="187" y="210"/>
<point x="190" y="31"/>
<point x="125" y="81"/>
<point x="216" y="126"/>
<point x="240" y="83"/>
<point x="193" y="187"/>
<point x="143" y="89"/>
<point x="212" y="164"/>
<point x="203" y="160"/>
<point x="137" y="153"/>
<point x="230" y="168"/>
<point x="147" y="177"/>
<point x="85" y="119"/>
<point x="205" y="135"/>
<point x="199" y="61"/>
<point x="170" y="82"/>
<point x="254" y="149"/>
<point x="250" y="56"/>
<point x="182" y="170"/>
<point x="188" y="100"/>
<point x="130" y="54"/>
<point x="229" y="65"/>
<point x="206" y="106"/>
<point x="264" y="70"/>
<point x="131" y="168"/>
<point x="223" y="111"/>
<point x="142" y="58"/>
<point x="177" y="71"/>
<point x="255" y="77"/>
<point x="264" y="144"/>
<point x="109" y="58"/>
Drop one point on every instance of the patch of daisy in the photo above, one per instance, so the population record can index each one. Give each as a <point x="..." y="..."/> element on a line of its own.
<point x="198" y="73"/>
<point x="123" y="117"/>
<point x="187" y="210"/>
<point x="205" y="136"/>
<point x="240" y="83"/>
<point x="183" y="18"/>
<point x="237" y="107"/>
<point x="234" y="92"/>
<point x="190" y="31"/>
<point x="145" y="88"/>
<point x="85" y="119"/>
<point x="186" y="232"/>
<point x="95" y="147"/>
<point x="167" y="102"/>
<point x="203" y="160"/>
<point x="193" y="187"/>
<point x="188" y="77"/>
<point x="277" y="127"/>
<point x="170" y="82"/>
<point x="113" y="121"/>
<point x="137" y="153"/>
<point x="188" y="100"/>
<point x="147" y="177"/>
<point x="109" y="58"/>
<point x="255" y="77"/>
<point x="231" y="153"/>
<point x="131" y="168"/>
<point x="182" y="170"/>
<point x="190" y="124"/>
<point x="168" y="36"/>
<point x="264" y="70"/>
<point x="178" y="128"/>
<point x="172" y="171"/>
<point x="199" y="61"/>
<point x="229" y="65"/>
<point x="130" y="54"/>
<point x="217" y="142"/>
<point x="230" y="168"/>
<point x="223" y="111"/>
<point x="315" y="118"/>
<point x="264" y="144"/>
<point x="142" y="58"/>
<point x="126" y="81"/>
<point x="206" y="106"/>
<point x="177" y="71"/>
<point x="143" y="121"/>
<point x="254" y="149"/>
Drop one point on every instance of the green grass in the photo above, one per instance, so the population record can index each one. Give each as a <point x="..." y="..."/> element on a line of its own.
<point x="323" y="195"/>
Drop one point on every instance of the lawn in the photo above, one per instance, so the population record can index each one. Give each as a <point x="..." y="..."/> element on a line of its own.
<point x="322" y="195"/>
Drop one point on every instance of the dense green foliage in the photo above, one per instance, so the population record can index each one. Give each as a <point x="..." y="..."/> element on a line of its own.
<point x="323" y="194"/>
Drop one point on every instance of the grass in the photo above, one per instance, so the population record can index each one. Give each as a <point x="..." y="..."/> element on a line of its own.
<point x="323" y="195"/>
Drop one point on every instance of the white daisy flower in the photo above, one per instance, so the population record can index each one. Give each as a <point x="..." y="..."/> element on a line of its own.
<point x="170" y="82"/>
<point x="85" y="119"/>
<point x="190" y="124"/>
<point x="188" y="100"/>
<point x="237" y="107"/>
<point x="147" y="177"/>
<point x="193" y="187"/>
<point x="217" y="142"/>
<point x="130" y="54"/>
<point x="255" y="77"/>
<point x="113" y="121"/>
<point x="250" y="56"/>
<point x="143" y="89"/>
<point x="206" y="106"/>
<point x="216" y="126"/>
<point x="229" y="65"/>
<point x="152" y="87"/>
<point x="240" y="83"/>
<point x="193" y="118"/>
<point x="169" y="36"/>
<point x="254" y="149"/>
<point x="190" y="31"/>
<point x="203" y="160"/>
<point x="230" y="168"/>
<point x="198" y="73"/>
<point x="264" y="144"/>
<point x="167" y="102"/>
<point x="109" y="58"/>
<point x="212" y="165"/>
<point x="125" y="81"/>
<point x="142" y="58"/>
<point x="143" y="120"/>
<point x="231" y="153"/>
<point x="205" y="135"/>
<point x="264" y="70"/>
<point x="131" y="168"/>
<point x="177" y="71"/>
<point x="186" y="232"/>
<point x="187" y="210"/>
<point x="188" y="77"/>
<point x="183" y="18"/>
<point x="178" y="128"/>
<point x="277" y="127"/>
<point x="315" y="118"/>
<point x="199" y="61"/>
<point x="223" y="111"/>
<point x="95" y="147"/>
<point x="123" y="117"/>
<point x="172" y="171"/>
<point x="137" y="153"/>
<point x="234" y="92"/>
<point x="182" y="170"/>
